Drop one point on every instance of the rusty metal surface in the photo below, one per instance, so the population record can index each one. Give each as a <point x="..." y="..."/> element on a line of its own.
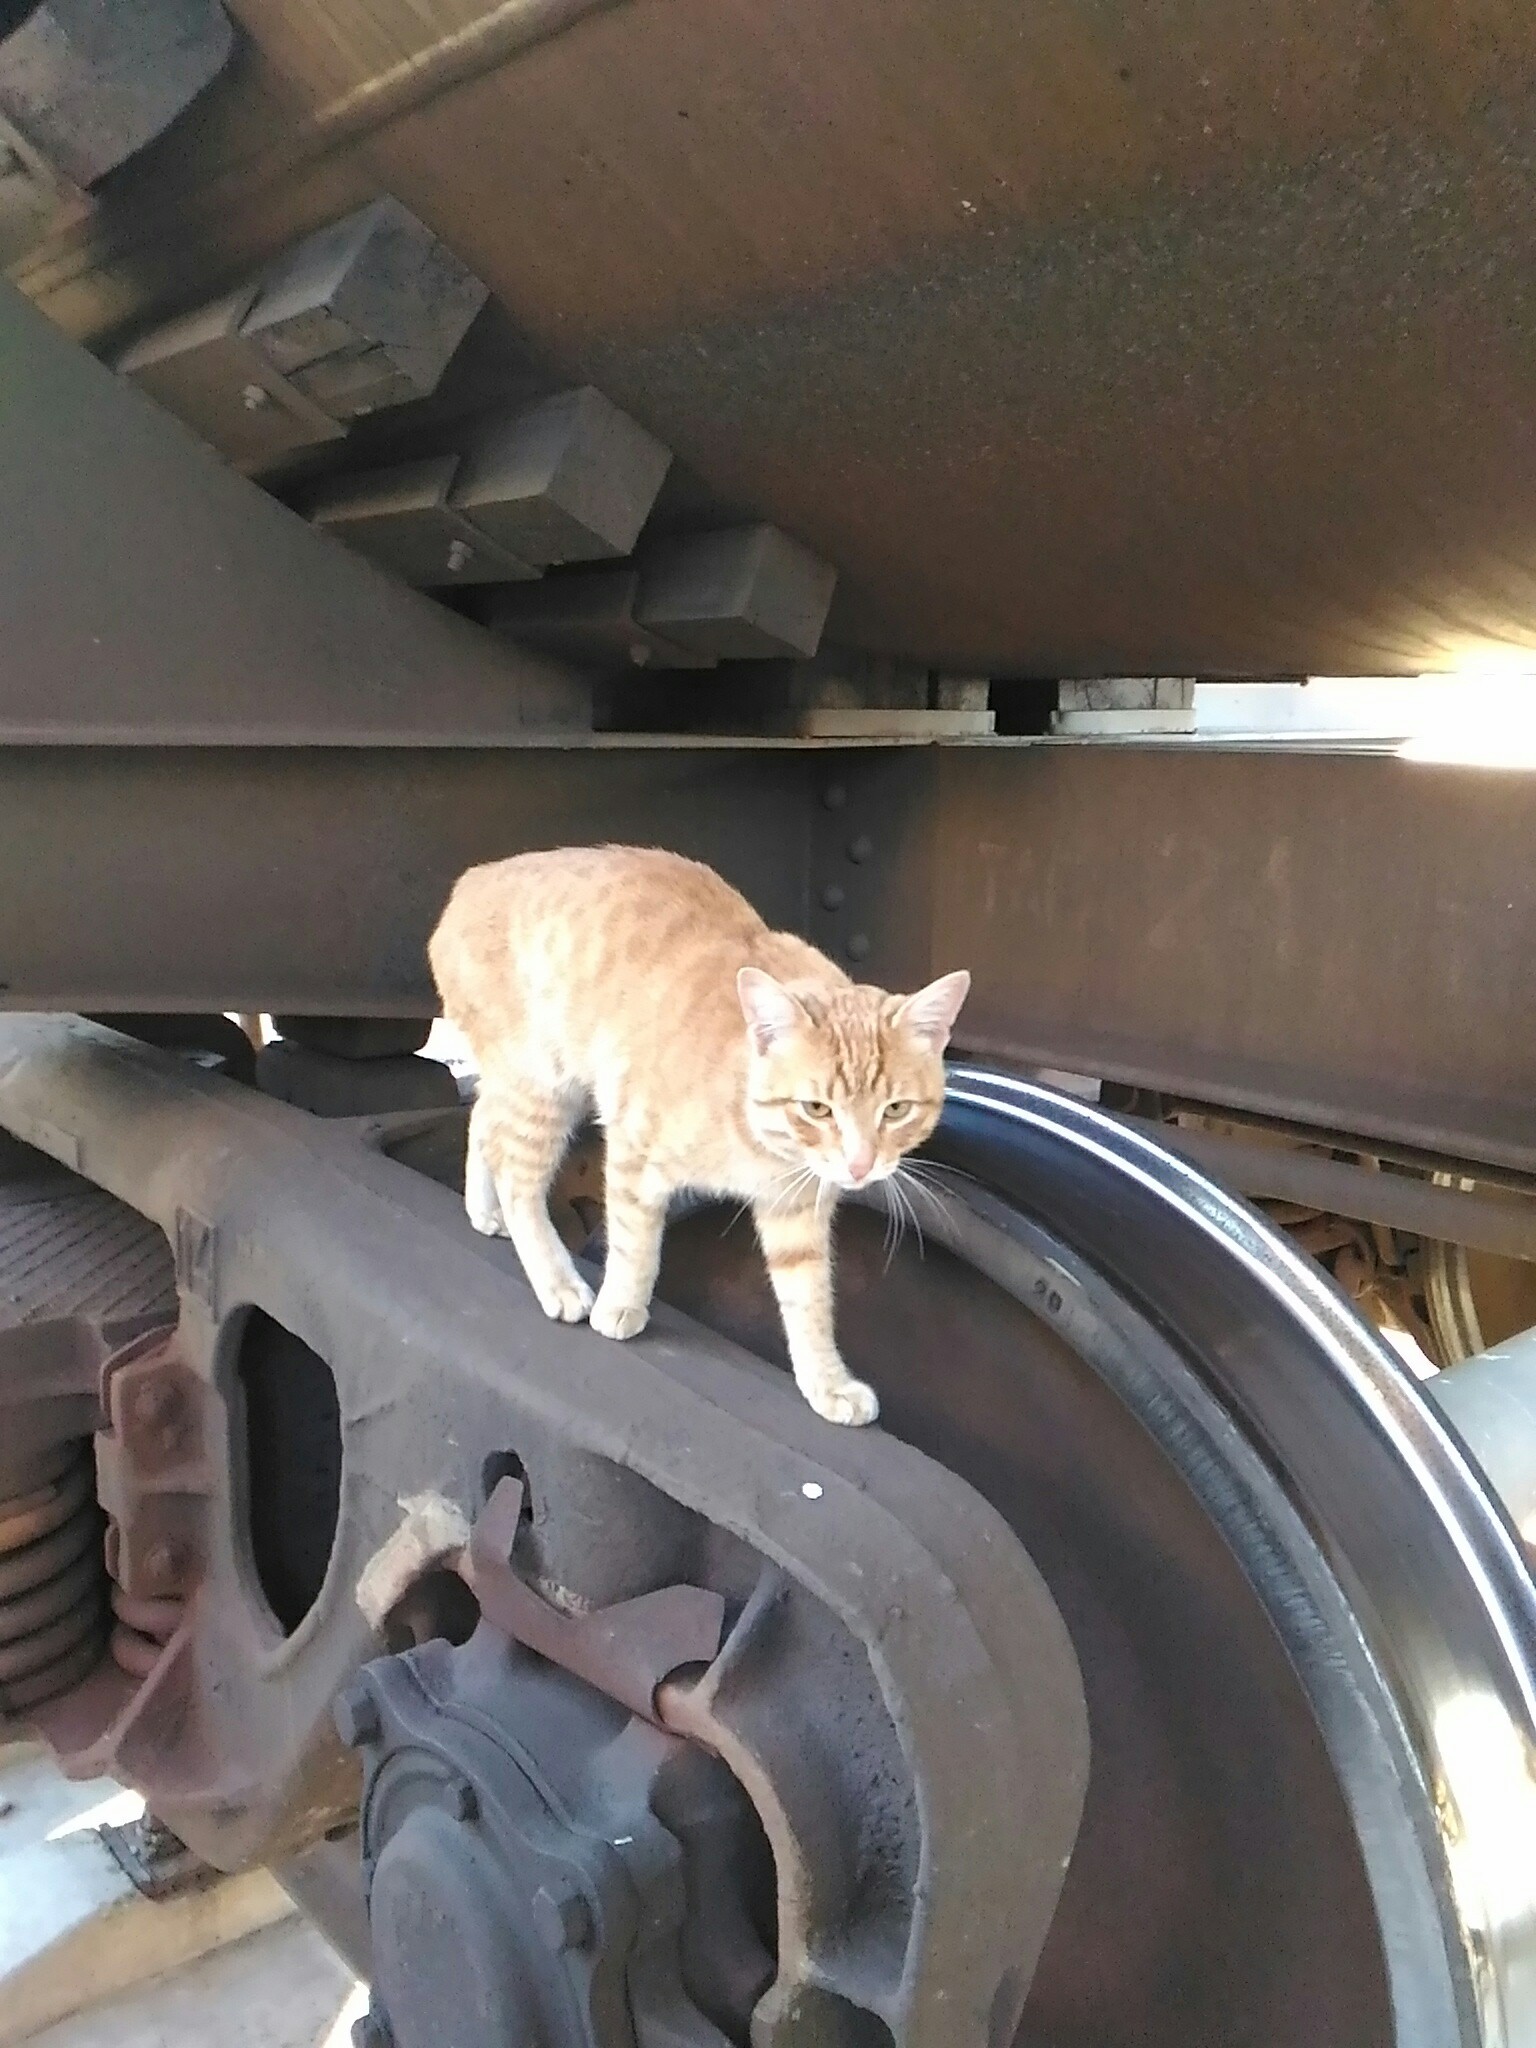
<point x="624" y="1651"/>
<point x="900" y="1585"/>
<point x="1338" y="942"/>
<point x="1498" y="1221"/>
<point x="1181" y="339"/>
<point x="1265" y="1543"/>
<point x="311" y="877"/>
<point x="1341" y="942"/>
<point x="147" y="590"/>
<point x="79" y="1274"/>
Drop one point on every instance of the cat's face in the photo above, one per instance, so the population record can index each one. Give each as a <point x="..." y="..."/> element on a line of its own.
<point x="843" y="1082"/>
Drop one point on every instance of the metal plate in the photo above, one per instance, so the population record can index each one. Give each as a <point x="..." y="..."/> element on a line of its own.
<point x="1332" y="940"/>
<point x="147" y="589"/>
<point x="1173" y="340"/>
<point x="308" y="879"/>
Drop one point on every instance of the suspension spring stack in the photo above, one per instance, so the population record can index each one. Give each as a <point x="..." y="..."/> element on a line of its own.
<point x="53" y="1580"/>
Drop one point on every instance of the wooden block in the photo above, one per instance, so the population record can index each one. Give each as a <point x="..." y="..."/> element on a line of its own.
<point x="204" y="370"/>
<point x="588" y="620"/>
<point x="1127" y="693"/>
<point x="401" y="518"/>
<point x="961" y="693"/>
<point x="378" y="286"/>
<point x="571" y="479"/>
<point x="745" y="593"/>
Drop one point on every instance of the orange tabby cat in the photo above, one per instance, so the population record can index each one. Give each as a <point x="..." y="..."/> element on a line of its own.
<point x="719" y="1055"/>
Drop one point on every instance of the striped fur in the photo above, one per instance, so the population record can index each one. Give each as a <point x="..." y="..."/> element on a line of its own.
<point x="718" y="1055"/>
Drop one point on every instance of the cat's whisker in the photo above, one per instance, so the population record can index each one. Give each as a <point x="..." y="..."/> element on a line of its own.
<point x="934" y="1167"/>
<point x="937" y="1196"/>
<point x="890" y="1202"/>
<point x="898" y="1182"/>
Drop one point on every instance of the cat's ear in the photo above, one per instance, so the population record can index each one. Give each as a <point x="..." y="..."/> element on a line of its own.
<point x="930" y="1014"/>
<point x="771" y="1011"/>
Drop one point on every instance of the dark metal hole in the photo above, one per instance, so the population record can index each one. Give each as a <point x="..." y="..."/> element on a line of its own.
<point x="438" y="1607"/>
<point x="503" y="1465"/>
<point x="292" y="1464"/>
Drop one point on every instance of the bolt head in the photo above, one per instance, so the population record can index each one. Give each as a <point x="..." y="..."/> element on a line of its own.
<point x="357" y="1717"/>
<point x="154" y="1401"/>
<point x="861" y="848"/>
<point x="858" y="946"/>
<point x="162" y="1562"/>
<point x="562" y="1916"/>
<point x="255" y="397"/>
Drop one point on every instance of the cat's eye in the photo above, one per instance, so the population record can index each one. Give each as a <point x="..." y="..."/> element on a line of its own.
<point x="893" y="1112"/>
<point x="819" y="1110"/>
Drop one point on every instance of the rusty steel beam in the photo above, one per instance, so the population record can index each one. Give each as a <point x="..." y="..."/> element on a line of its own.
<point x="1335" y="941"/>
<point x="1338" y="941"/>
<point x="306" y="880"/>
<point x="148" y="592"/>
<point x="1495" y="1221"/>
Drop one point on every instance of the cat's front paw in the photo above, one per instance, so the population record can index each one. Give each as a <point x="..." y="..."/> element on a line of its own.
<point x="565" y="1299"/>
<point x="847" y="1401"/>
<point x="619" y="1319"/>
<point x="489" y="1222"/>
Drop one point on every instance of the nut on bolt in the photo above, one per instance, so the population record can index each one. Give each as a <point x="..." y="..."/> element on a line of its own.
<point x="162" y="1565"/>
<point x="155" y="1401"/>
<point x="562" y="1916"/>
<point x="357" y="1718"/>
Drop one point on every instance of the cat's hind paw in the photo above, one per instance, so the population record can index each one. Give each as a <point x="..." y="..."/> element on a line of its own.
<point x="848" y="1401"/>
<point x="565" y="1299"/>
<point x="618" y="1319"/>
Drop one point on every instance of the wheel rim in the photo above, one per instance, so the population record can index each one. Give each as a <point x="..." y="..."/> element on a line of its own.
<point x="1309" y="1743"/>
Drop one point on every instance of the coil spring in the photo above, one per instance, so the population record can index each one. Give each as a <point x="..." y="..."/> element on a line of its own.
<point x="52" y="1581"/>
<point x="143" y="1628"/>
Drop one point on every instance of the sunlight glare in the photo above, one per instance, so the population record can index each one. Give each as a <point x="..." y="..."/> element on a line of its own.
<point x="1477" y="719"/>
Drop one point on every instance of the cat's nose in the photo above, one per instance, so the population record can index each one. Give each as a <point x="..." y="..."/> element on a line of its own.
<point x="861" y="1163"/>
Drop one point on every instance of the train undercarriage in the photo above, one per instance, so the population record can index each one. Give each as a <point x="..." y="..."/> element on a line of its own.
<point x="1162" y="1670"/>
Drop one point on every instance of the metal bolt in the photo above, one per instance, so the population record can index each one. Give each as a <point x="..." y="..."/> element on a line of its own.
<point x="858" y="946"/>
<point x="861" y="848"/>
<point x="834" y="896"/>
<point x="834" y="796"/>
<point x="463" y="1801"/>
<point x="161" y="1563"/>
<point x="254" y="398"/>
<point x="154" y="1401"/>
<point x="356" y="1714"/>
<point x="562" y="1916"/>
<point x="460" y="555"/>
